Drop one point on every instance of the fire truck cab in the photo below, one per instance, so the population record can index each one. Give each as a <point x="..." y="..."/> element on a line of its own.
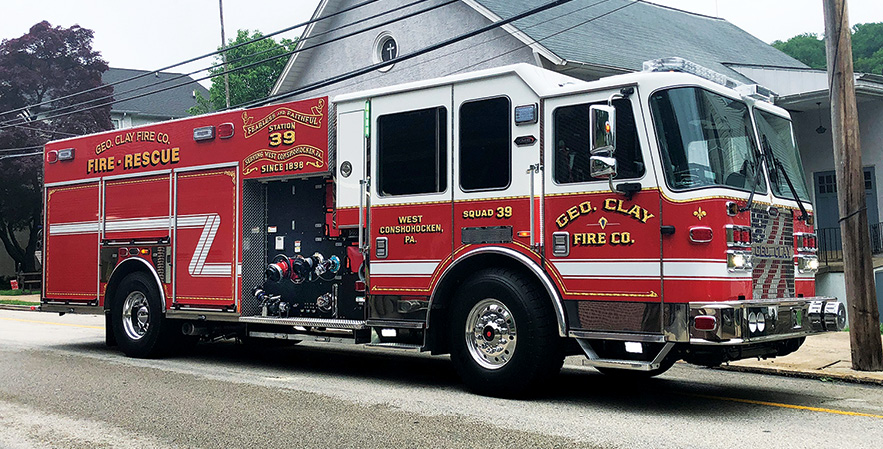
<point x="508" y="217"/>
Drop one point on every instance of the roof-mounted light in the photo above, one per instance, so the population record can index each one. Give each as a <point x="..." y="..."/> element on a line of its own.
<point x="757" y="91"/>
<point x="682" y="65"/>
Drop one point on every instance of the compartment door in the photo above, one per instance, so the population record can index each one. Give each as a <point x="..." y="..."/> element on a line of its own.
<point x="71" y="252"/>
<point x="205" y="239"/>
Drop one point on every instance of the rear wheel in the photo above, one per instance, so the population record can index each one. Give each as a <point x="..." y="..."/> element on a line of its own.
<point x="139" y="326"/>
<point x="504" y="339"/>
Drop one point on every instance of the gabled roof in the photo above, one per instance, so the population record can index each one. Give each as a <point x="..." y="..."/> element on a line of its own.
<point x="591" y="38"/>
<point x="625" y="33"/>
<point x="172" y="103"/>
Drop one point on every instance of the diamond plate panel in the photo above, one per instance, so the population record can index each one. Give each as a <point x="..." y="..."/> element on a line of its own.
<point x="254" y="249"/>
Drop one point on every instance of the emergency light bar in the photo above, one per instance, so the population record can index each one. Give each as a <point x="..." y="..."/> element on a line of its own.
<point x="676" y="64"/>
<point x="682" y="65"/>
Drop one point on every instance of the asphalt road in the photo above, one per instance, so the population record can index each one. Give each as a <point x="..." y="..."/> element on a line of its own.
<point x="60" y="387"/>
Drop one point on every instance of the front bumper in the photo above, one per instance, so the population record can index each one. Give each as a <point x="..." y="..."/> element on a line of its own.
<point x="757" y="321"/>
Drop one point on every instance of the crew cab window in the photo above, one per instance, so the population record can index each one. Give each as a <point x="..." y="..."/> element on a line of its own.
<point x="485" y="151"/>
<point x="411" y="152"/>
<point x="571" y="132"/>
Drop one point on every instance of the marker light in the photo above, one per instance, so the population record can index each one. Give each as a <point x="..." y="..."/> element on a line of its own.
<point x="705" y="323"/>
<point x="700" y="234"/>
<point x="204" y="133"/>
<point x="52" y="156"/>
<point x="66" y="154"/>
<point x="225" y="130"/>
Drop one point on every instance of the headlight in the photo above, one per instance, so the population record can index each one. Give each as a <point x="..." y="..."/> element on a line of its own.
<point x="807" y="264"/>
<point x="738" y="261"/>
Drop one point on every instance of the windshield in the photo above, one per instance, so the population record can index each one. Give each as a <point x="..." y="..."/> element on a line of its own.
<point x="777" y="132"/>
<point x="706" y="140"/>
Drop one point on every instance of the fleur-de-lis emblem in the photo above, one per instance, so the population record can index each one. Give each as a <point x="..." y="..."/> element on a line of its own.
<point x="699" y="213"/>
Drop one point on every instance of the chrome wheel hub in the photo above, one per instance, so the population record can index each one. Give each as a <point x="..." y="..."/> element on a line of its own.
<point x="136" y="315"/>
<point x="490" y="334"/>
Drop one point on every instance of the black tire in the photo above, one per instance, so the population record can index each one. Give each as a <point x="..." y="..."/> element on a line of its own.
<point x="139" y="324"/>
<point x="632" y="374"/>
<point x="504" y="336"/>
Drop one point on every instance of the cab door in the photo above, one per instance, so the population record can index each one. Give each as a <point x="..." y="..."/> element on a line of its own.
<point x="493" y="173"/>
<point x="410" y="203"/>
<point x="602" y="247"/>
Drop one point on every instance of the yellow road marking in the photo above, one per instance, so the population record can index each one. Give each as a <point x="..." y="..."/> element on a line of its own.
<point x="791" y="406"/>
<point x="50" y="322"/>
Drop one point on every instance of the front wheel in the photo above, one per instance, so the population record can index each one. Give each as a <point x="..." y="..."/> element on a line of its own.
<point x="139" y="326"/>
<point x="504" y="339"/>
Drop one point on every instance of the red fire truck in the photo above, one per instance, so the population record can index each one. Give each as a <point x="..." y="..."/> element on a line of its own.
<point x="508" y="217"/>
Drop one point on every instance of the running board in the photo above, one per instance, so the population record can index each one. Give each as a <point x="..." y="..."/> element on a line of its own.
<point x="326" y="323"/>
<point x="395" y="345"/>
<point x="634" y="365"/>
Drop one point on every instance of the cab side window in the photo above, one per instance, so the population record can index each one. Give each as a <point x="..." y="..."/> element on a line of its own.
<point x="411" y="152"/>
<point x="485" y="149"/>
<point x="571" y="135"/>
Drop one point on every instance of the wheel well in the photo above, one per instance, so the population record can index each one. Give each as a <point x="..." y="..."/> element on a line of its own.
<point x="124" y="269"/>
<point x="438" y="320"/>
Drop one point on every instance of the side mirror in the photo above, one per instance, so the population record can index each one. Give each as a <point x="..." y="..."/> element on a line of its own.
<point x="602" y="129"/>
<point x="602" y="167"/>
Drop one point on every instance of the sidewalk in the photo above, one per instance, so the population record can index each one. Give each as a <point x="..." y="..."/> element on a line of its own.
<point x="825" y="356"/>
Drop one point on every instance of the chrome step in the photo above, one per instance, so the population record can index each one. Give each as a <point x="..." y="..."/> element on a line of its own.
<point x="636" y="365"/>
<point x="328" y="323"/>
<point x="395" y="345"/>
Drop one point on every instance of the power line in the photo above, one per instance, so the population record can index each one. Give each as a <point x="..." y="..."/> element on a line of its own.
<point x="47" y="131"/>
<point x="33" y="147"/>
<point x="379" y="65"/>
<point x="592" y="19"/>
<point x="58" y="114"/>
<point x="19" y="155"/>
<point x="8" y="124"/>
<point x="272" y="58"/>
<point x="502" y="36"/>
<point x="266" y="36"/>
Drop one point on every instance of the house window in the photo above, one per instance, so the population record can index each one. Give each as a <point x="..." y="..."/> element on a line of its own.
<point x="485" y="151"/>
<point x="385" y="49"/>
<point x="411" y="152"/>
<point x="116" y="123"/>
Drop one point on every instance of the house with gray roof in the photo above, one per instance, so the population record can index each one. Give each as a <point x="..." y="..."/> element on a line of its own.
<point x="586" y="40"/>
<point x="161" y="106"/>
<point x="589" y="40"/>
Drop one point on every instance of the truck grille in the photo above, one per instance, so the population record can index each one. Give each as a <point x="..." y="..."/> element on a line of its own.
<point x="772" y="231"/>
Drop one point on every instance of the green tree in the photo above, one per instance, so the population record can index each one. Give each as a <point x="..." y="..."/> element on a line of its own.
<point x="806" y="48"/>
<point x="248" y="84"/>
<point x="867" y="48"/>
<point x="48" y="62"/>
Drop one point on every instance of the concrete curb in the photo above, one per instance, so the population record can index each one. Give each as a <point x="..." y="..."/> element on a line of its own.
<point x="20" y="308"/>
<point x="818" y="375"/>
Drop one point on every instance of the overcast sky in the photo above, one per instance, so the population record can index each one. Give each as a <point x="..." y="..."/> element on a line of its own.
<point x="153" y="34"/>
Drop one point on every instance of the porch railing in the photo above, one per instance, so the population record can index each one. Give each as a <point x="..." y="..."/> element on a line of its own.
<point x="831" y="243"/>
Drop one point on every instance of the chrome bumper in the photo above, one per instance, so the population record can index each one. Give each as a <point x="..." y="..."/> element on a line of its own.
<point x="756" y="321"/>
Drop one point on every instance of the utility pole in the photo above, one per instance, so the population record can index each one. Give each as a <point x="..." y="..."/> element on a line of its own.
<point x="224" y="54"/>
<point x="864" y="318"/>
